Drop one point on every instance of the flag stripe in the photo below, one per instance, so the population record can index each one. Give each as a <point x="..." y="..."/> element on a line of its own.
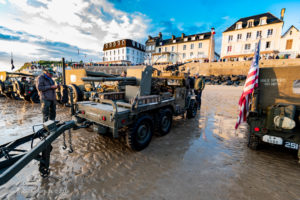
<point x="250" y="84"/>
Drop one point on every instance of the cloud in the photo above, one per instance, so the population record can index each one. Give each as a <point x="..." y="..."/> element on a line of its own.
<point x="59" y="28"/>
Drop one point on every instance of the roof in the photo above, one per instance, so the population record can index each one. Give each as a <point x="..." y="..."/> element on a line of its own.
<point x="180" y="39"/>
<point x="271" y="19"/>
<point x="289" y="30"/>
<point x="123" y="43"/>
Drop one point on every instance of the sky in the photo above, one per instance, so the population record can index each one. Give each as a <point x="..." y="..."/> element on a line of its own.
<point x="33" y="30"/>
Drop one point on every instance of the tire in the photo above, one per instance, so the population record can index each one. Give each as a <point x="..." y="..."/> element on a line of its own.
<point x="2" y="88"/>
<point x="34" y="98"/>
<point x="64" y="94"/>
<point x="165" y="121"/>
<point x="18" y="89"/>
<point x="140" y="134"/>
<point x="253" y="142"/>
<point x="77" y="94"/>
<point x="192" y="110"/>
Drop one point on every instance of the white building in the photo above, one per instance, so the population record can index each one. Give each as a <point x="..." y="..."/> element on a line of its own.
<point x="241" y="38"/>
<point x="290" y="43"/>
<point x="197" y="47"/>
<point x="124" y="51"/>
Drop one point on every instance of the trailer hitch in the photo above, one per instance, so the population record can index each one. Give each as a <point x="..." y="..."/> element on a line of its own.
<point x="13" y="159"/>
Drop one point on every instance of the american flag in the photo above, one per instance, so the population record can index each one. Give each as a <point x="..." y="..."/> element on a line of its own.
<point x="250" y="84"/>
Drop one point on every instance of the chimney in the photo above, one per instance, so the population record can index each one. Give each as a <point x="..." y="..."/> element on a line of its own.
<point x="160" y="35"/>
<point x="282" y="14"/>
<point x="173" y="37"/>
<point x="182" y="35"/>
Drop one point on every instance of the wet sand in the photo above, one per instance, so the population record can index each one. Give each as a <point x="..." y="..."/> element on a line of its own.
<point x="201" y="158"/>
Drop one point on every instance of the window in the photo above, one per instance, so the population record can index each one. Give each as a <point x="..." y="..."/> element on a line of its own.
<point x="247" y="46"/>
<point x="291" y="32"/>
<point x="174" y="41"/>
<point x="239" y="36"/>
<point x="191" y="54"/>
<point x="192" y="46"/>
<point x="250" y="24"/>
<point x="186" y="39"/>
<point x="166" y="49"/>
<point x="229" y="48"/>
<point x="183" y="55"/>
<point x="262" y="21"/>
<point x="193" y="38"/>
<point x="128" y="51"/>
<point x="230" y="38"/>
<point x="289" y="44"/>
<point x="118" y="51"/>
<point x="238" y="25"/>
<point x="159" y="50"/>
<point x="184" y="47"/>
<point x="200" y="45"/>
<point x="110" y="53"/>
<point x="270" y="32"/>
<point x="249" y="35"/>
<point x="258" y="34"/>
<point x="268" y="44"/>
<point x="173" y="48"/>
<point x="122" y="51"/>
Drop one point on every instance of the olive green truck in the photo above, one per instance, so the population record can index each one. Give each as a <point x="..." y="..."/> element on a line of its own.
<point x="141" y="110"/>
<point x="275" y="106"/>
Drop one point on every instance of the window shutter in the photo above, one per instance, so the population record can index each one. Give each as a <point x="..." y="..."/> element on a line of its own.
<point x="289" y="44"/>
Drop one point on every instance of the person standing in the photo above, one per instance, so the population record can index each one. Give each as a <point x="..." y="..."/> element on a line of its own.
<point x="46" y="88"/>
<point x="198" y="88"/>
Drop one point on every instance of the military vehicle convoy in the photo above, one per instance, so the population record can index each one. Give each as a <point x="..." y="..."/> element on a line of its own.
<point x="18" y="86"/>
<point x="143" y="108"/>
<point x="274" y="115"/>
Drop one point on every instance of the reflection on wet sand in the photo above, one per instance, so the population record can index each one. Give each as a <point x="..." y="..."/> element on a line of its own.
<point x="201" y="158"/>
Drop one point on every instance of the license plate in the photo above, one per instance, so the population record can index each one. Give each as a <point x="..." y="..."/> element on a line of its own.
<point x="291" y="145"/>
<point x="272" y="139"/>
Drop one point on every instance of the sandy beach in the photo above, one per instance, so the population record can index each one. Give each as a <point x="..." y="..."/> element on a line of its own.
<point x="201" y="158"/>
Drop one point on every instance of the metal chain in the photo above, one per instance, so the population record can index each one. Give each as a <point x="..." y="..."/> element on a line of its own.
<point x="64" y="141"/>
<point x="70" y="142"/>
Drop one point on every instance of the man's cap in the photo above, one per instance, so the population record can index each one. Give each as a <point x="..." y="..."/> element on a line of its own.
<point x="49" y="70"/>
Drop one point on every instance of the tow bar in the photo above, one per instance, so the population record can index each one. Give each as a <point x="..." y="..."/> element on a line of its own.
<point x="13" y="159"/>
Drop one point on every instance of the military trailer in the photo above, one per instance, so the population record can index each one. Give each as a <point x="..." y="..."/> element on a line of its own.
<point x="143" y="108"/>
<point x="275" y="106"/>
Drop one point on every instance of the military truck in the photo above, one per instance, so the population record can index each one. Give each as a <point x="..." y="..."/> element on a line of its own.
<point x="275" y="106"/>
<point x="142" y="109"/>
<point x="18" y="86"/>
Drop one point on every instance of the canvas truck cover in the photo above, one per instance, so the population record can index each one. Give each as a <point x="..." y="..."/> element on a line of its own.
<point x="279" y="85"/>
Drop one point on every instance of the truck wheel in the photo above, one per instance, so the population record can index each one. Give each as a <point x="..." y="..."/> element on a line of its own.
<point x="192" y="110"/>
<point x="165" y="121"/>
<point x="77" y="94"/>
<point x="140" y="134"/>
<point x="253" y="141"/>
<point x="34" y="98"/>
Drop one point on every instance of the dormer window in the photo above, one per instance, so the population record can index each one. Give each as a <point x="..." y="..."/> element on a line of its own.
<point x="174" y="41"/>
<point x="201" y="37"/>
<point x="263" y="21"/>
<point x="250" y="23"/>
<point x="185" y="39"/>
<point x="238" y="25"/>
<point x="193" y="38"/>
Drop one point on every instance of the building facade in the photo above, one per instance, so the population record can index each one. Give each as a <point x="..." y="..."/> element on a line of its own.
<point x="290" y="43"/>
<point x="197" y="47"/>
<point x="124" y="51"/>
<point x="241" y="38"/>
